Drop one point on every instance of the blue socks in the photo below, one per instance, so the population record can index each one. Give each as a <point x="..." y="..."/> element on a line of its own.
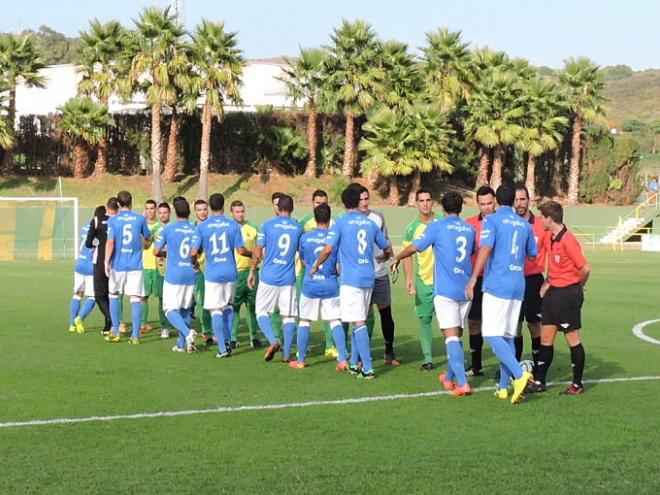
<point x="267" y="328"/>
<point x="303" y="341"/>
<point x="363" y="346"/>
<point x="455" y="359"/>
<point x="228" y="319"/>
<point x="339" y="337"/>
<point x="73" y="309"/>
<point x="114" y="314"/>
<point x="219" y="330"/>
<point x="504" y="349"/>
<point x="87" y="307"/>
<point x="177" y="321"/>
<point x="136" y="315"/>
<point x="289" y="330"/>
<point x="355" y="354"/>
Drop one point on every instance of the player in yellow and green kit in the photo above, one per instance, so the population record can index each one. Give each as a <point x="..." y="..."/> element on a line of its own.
<point x="318" y="197"/>
<point x="245" y="295"/>
<point x="153" y="280"/>
<point x="421" y="283"/>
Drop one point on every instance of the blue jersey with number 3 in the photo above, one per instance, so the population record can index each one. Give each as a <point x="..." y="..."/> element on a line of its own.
<point x="453" y="243"/>
<point x="323" y="284"/>
<point x="354" y="237"/>
<point x="218" y="237"/>
<point x="512" y="240"/>
<point x="177" y="239"/>
<point x="127" y="230"/>
<point x="280" y="237"/>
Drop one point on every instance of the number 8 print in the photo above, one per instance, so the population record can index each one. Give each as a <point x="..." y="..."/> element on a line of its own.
<point x="362" y="241"/>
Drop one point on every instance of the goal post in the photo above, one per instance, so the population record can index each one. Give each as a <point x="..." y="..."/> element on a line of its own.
<point x="39" y="228"/>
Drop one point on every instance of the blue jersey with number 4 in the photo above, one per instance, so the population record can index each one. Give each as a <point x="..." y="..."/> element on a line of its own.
<point x="512" y="240"/>
<point x="218" y="237"/>
<point x="323" y="284"/>
<point x="85" y="265"/>
<point x="280" y="237"/>
<point x="127" y="229"/>
<point x="177" y="238"/>
<point x="453" y="243"/>
<point x="354" y="237"/>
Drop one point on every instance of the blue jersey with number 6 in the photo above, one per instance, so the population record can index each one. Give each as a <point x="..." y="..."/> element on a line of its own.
<point x="219" y="236"/>
<point x="354" y="237"/>
<point x="280" y="237"/>
<point x="177" y="238"/>
<point x="453" y="243"/>
<point x="127" y="229"/>
<point x="323" y="284"/>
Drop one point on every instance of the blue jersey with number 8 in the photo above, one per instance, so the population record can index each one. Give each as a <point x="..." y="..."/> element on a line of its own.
<point x="280" y="237"/>
<point x="177" y="239"/>
<point x="127" y="230"/>
<point x="219" y="236"/>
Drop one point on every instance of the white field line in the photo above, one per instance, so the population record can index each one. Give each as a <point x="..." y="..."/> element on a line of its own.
<point x="266" y="407"/>
<point x="638" y="331"/>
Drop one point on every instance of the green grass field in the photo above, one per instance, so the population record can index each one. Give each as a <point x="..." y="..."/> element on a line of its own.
<point x="603" y="442"/>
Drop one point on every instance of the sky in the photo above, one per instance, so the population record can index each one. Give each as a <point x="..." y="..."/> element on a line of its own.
<point x="545" y="32"/>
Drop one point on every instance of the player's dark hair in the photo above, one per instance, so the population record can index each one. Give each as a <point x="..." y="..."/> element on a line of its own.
<point x="452" y="202"/>
<point x="422" y="191"/>
<point x="553" y="210"/>
<point x="520" y="186"/>
<point x="350" y="197"/>
<point x="285" y="204"/>
<point x="319" y="193"/>
<point x="199" y="202"/>
<point x="125" y="199"/>
<point x="181" y="207"/>
<point x="217" y="202"/>
<point x="505" y="195"/>
<point x="485" y="191"/>
<point x="150" y="202"/>
<point x="276" y="195"/>
<point x="112" y="203"/>
<point x="236" y="203"/>
<point x="99" y="211"/>
<point x="164" y="204"/>
<point x="322" y="213"/>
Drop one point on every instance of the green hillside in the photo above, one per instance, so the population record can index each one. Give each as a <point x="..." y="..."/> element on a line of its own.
<point x="636" y="96"/>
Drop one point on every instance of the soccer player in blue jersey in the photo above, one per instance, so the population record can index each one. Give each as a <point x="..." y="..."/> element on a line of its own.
<point x="180" y="276"/>
<point x="123" y="264"/>
<point x="506" y="240"/>
<point x="319" y="293"/>
<point x="279" y="238"/>
<point x="354" y="237"/>
<point x="218" y="237"/>
<point x="453" y="242"/>
<point x="83" y="282"/>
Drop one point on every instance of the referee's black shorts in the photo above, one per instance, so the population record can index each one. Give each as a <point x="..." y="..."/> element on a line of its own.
<point x="530" y="311"/>
<point x="475" y="309"/>
<point x="562" y="307"/>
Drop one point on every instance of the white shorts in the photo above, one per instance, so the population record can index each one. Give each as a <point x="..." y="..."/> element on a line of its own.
<point x="451" y="313"/>
<point x="354" y="302"/>
<point x="499" y="317"/>
<point x="271" y="297"/>
<point x="83" y="283"/>
<point x="309" y="309"/>
<point x="176" y="297"/>
<point x="127" y="283"/>
<point x="217" y="295"/>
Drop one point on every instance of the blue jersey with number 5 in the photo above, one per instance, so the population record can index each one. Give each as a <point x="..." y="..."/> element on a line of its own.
<point x="453" y="243"/>
<point x="354" y="237"/>
<point x="218" y="237"/>
<point x="127" y="230"/>
<point x="323" y="284"/>
<point x="177" y="239"/>
<point x="280" y="237"/>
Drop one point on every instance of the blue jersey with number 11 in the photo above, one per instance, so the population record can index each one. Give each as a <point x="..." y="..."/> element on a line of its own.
<point x="127" y="229"/>
<point x="280" y="237"/>
<point x="177" y="238"/>
<point x="219" y="236"/>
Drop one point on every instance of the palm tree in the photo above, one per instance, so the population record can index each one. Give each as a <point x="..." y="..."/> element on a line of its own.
<point x="87" y="123"/>
<point x="354" y="79"/>
<point x="543" y="124"/>
<point x="101" y="69"/>
<point x="219" y="67"/>
<point x="583" y="89"/>
<point x="304" y="81"/>
<point x="403" y="80"/>
<point x="19" y="59"/>
<point x="158" y="39"/>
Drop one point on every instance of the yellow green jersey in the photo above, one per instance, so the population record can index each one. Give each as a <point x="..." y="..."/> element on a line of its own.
<point x="423" y="262"/>
<point x="249" y="231"/>
<point x="148" y="258"/>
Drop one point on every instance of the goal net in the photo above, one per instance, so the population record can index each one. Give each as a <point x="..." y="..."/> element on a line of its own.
<point x="39" y="228"/>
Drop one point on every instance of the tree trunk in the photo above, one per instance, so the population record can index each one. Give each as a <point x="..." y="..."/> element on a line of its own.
<point x="171" y="161"/>
<point x="8" y="158"/>
<point x="498" y="163"/>
<point x="484" y="165"/>
<point x="101" y="165"/>
<point x="80" y="161"/>
<point x="574" y="167"/>
<point x="349" y="149"/>
<point x="654" y="150"/>
<point x="394" y="190"/>
<point x="312" y="140"/>
<point x="416" y="184"/>
<point x="156" y="154"/>
<point x="530" y="181"/>
<point x="205" y="153"/>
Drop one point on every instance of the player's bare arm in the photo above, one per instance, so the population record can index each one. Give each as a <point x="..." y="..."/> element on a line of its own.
<point x="319" y="261"/>
<point x="256" y="258"/>
<point x="479" y="264"/>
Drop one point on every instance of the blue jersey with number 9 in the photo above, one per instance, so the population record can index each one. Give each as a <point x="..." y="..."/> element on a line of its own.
<point x="127" y="230"/>
<point x="280" y="237"/>
<point x="177" y="239"/>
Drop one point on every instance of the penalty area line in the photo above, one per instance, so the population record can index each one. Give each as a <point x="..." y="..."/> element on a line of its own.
<point x="638" y="331"/>
<point x="270" y="407"/>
